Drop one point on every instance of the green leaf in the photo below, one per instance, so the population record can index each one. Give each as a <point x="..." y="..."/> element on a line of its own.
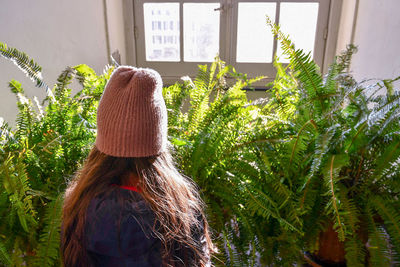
<point x="48" y="249"/>
<point x="4" y="255"/>
<point x="179" y="142"/>
<point x="27" y="65"/>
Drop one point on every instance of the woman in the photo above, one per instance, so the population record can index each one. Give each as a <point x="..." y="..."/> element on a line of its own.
<point x="129" y="205"/>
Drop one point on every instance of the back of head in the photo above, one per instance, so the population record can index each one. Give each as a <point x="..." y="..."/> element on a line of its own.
<point x="132" y="117"/>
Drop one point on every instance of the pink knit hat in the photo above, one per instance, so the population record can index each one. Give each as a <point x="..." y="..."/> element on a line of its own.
<point x="132" y="117"/>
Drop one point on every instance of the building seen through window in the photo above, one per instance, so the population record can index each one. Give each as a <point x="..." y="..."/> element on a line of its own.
<point x="162" y="31"/>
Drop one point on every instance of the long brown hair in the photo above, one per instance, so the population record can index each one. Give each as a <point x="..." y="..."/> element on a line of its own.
<point x="173" y="198"/>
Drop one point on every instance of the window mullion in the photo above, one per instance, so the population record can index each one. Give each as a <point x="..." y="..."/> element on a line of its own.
<point x="230" y="41"/>
<point x="233" y="25"/>
<point x="181" y="44"/>
<point x="277" y="15"/>
<point x="223" y="28"/>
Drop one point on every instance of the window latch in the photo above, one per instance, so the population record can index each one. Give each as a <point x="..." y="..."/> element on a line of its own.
<point x="221" y="8"/>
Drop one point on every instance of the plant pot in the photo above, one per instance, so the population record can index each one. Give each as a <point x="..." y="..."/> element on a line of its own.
<point x="331" y="251"/>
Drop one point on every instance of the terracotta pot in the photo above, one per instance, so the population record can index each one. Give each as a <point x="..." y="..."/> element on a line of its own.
<point x="331" y="250"/>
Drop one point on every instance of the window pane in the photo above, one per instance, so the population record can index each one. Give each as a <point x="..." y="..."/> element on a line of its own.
<point x="299" y="20"/>
<point x="161" y="26"/>
<point x="254" y="38"/>
<point x="201" y="31"/>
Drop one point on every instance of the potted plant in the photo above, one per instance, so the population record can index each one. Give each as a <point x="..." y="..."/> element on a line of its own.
<point x="333" y="161"/>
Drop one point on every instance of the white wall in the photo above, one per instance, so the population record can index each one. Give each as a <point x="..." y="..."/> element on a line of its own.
<point x="116" y="27"/>
<point x="376" y="32"/>
<point x="56" y="34"/>
<point x="378" y="37"/>
<point x="346" y="24"/>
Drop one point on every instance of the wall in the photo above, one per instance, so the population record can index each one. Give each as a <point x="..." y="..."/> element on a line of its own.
<point x="378" y="37"/>
<point x="116" y="24"/>
<point x="347" y="19"/>
<point x="56" y="34"/>
<point x="374" y="26"/>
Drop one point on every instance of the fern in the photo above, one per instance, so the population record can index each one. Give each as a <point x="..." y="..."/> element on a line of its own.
<point x="307" y="70"/>
<point x="355" y="251"/>
<point x="378" y="241"/>
<point x="37" y="157"/>
<point x="47" y="251"/>
<point x="4" y="256"/>
<point x="27" y="65"/>
<point x="63" y="80"/>
<point x="389" y="156"/>
<point x="391" y="218"/>
<point x="17" y="187"/>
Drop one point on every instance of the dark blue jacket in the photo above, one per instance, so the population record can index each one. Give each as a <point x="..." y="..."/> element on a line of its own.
<point x="119" y="232"/>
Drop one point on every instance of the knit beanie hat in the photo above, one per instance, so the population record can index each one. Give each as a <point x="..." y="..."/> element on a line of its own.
<point x="132" y="117"/>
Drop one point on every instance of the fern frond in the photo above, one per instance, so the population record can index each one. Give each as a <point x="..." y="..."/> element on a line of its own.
<point x="4" y="255"/>
<point x="351" y="214"/>
<point x="63" y="80"/>
<point x="333" y="166"/>
<point x="390" y="155"/>
<point x="231" y="254"/>
<point x="174" y="97"/>
<point x="48" y="249"/>
<point x="87" y="76"/>
<point x="31" y="69"/>
<point x="263" y="205"/>
<point x="299" y="135"/>
<point x="378" y="243"/>
<point x="16" y="88"/>
<point x="344" y="59"/>
<point x="306" y="69"/>
<point x="17" y="256"/>
<point x="16" y="184"/>
<point x="22" y="61"/>
<point x="321" y="151"/>
<point x="330" y="83"/>
<point x="384" y="107"/>
<point x="391" y="217"/>
<point x="355" y="252"/>
<point x="199" y="98"/>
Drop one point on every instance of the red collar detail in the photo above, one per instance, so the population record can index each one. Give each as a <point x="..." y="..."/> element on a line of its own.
<point x="132" y="188"/>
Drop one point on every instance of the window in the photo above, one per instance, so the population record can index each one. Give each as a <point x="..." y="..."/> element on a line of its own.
<point x="174" y="36"/>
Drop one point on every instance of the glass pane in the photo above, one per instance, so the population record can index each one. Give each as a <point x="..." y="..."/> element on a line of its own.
<point x="161" y="26"/>
<point x="299" y="21"/>
<point x="254" y="38"/>
<point x="201" y="31"/>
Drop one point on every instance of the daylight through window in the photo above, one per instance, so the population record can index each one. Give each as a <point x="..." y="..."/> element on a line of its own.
<point x="186" y="33"/>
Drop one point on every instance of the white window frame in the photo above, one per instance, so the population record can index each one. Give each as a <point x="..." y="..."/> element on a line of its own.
<point x="170" y="71"/>
<point x="325" y="39"/>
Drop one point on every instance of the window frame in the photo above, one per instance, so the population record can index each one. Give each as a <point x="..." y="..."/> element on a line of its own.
<point x="180" y="68"/>
<point x="326" y="31"/>
<point x="256" y="69"/>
